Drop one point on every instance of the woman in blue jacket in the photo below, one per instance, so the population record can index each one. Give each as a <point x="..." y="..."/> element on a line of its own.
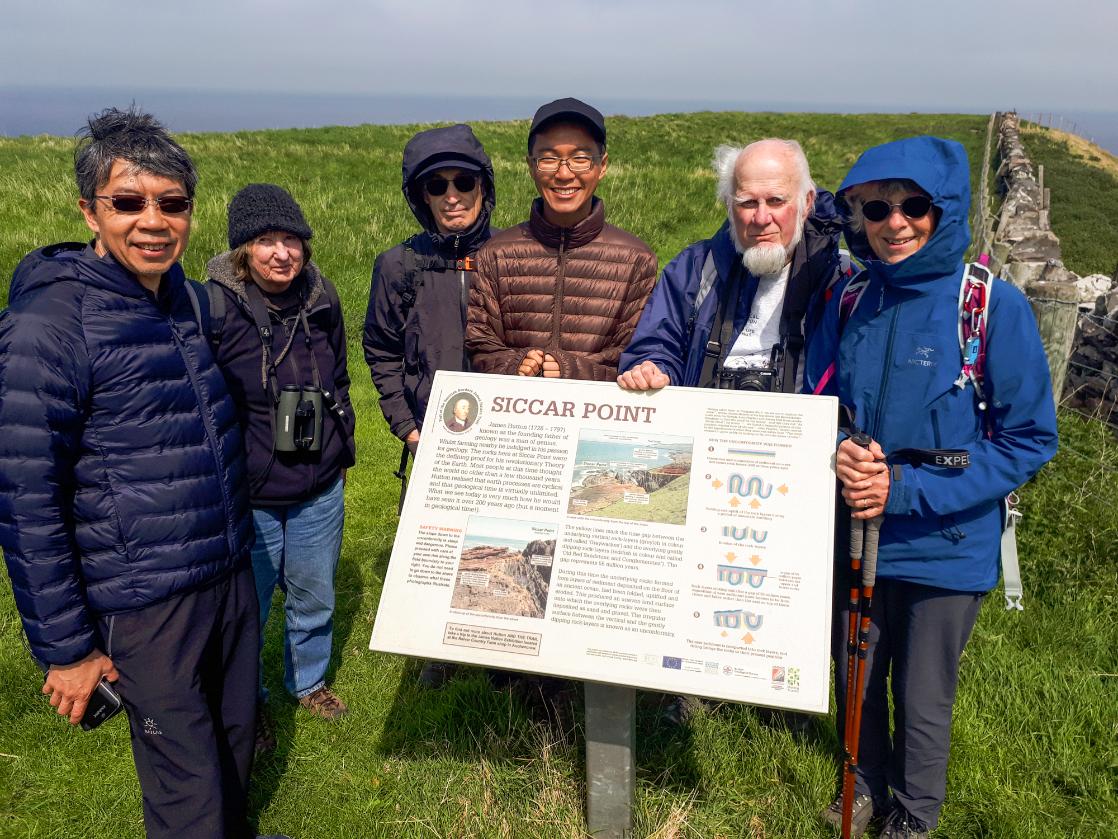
<point x="896" y="365"/>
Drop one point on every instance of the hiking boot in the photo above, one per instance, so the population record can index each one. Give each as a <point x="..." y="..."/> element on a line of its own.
<point x="435" y="674"/>
<point x="324" y="703"/>
<point x="265" y="731"/>
<point x="902" y="825"/>
<point x="861" y="814"/>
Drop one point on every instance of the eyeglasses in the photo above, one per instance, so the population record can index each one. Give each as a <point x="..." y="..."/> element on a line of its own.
<point x="915" y="206"/>
<point x="170" y="205"/>
<point x="578" y="164"/>
<point x="462" y="183"/>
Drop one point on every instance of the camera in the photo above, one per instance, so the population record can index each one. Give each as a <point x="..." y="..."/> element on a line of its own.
<point x="759" y="379"/>
<point x="299" y="419"/>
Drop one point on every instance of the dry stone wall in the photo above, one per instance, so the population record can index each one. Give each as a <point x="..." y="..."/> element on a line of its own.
<point x="1077" y="316"/>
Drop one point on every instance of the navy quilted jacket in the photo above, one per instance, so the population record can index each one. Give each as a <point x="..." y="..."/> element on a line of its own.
<point x="122" y="472"/>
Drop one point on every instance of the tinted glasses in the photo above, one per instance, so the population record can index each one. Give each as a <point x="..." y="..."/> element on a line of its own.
<point x="168" y="204"/>
<point x="438" y="186"/>
<point x="915" y="206"/>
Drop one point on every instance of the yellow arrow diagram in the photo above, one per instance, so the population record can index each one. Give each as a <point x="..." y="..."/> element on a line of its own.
<point x="782" y="489"/>
<point x="716" y="483"/>
<point x="754" y="503"/>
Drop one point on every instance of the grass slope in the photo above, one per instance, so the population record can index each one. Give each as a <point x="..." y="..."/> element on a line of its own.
<point x="1036" y="725"/>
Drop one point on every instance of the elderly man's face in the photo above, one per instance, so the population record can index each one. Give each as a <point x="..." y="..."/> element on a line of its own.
<point x="764" y="210"/>
<point x="462" y="409"/>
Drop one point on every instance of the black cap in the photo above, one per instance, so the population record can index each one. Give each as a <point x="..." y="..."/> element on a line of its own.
<point x="569" y="110"/>
<point x="259" y="208"/>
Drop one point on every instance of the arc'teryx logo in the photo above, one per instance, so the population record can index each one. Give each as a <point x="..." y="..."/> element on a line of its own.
<point x="922" y="357"/>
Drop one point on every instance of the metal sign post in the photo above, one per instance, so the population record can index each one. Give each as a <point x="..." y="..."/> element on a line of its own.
<point x="610" y="760"/>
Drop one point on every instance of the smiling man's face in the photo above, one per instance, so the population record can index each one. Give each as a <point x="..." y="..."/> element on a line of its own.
<point x="566" y="194"/>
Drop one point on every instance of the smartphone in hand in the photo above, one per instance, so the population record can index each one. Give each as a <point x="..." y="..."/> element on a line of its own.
<point x="104" y="704"/>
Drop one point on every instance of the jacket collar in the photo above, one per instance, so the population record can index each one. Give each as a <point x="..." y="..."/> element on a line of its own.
<point x="583" y="233"/>
<point x="220" y="270"/>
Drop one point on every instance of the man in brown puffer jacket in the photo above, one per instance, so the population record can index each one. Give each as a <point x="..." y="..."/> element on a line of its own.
<point x="560" y="294"/>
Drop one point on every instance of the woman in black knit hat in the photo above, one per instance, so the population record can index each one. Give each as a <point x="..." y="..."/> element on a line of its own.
<point x="278" y="336"/>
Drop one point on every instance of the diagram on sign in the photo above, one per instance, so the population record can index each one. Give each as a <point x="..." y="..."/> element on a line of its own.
<point x="746" y="490"/>
<point x="505" y="567"/>
<point x="631" y="476"/>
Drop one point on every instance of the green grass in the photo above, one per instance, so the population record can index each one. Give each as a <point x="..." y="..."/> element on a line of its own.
<point x="1083" y="200"/>
<point x="1036" y="725"/>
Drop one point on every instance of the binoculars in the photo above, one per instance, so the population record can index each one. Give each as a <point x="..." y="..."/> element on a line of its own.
<point x="299" y="419"/>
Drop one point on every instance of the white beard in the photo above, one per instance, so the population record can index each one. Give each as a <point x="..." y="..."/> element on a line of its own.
<point x="767" y="258"/>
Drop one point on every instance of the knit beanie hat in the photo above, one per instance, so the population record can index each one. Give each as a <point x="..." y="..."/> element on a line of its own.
<point x="259" y="208"/>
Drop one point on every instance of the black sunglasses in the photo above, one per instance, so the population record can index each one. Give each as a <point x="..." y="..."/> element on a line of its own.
<point x="463" y="183"/>
<point x="170" y="205"/>
<point x="915" y="206"/>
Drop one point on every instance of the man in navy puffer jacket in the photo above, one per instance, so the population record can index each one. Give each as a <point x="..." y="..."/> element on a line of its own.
<point x="123" y="511"/>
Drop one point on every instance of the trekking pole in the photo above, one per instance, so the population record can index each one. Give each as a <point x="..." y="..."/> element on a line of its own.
<point x="864" y="537"/>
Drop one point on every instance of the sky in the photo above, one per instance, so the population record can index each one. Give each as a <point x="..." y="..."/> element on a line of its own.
<point x="797" y="54"/>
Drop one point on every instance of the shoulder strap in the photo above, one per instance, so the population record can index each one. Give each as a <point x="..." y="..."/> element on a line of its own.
<point x="706" y="283"/>
<point x="217" y="312"/>
<point x="331" y="293"/>
<point x="721" y="331"/>
<point x="974" y="304"/>
<point x="192" y="293"/>
<point x="851" y="297"/>
<point x="407" y="290"/>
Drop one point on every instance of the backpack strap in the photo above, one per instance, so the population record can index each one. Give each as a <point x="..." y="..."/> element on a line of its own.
<point x="706" y="282"/>
<point x="411" y="269"/>
<point x="217" y="313"/>
<point x="851" y="297"/>
<point x="192" y="293"/>
<point x="974" y="304"/>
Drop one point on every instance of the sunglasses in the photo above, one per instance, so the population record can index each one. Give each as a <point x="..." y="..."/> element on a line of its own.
<point x="168" y="204"/>
<point x="915" y="206"/>
<point x="462" y="183"/>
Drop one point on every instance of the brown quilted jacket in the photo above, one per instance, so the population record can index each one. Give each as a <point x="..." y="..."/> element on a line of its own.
<point x="575" y="293"/>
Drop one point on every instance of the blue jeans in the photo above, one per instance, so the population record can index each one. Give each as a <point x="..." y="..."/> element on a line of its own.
<point x="298" y="547"/>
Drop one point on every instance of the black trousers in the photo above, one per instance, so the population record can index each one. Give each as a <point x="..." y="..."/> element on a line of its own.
<point x="188" y="673"/>
<point x="917" y="636"/>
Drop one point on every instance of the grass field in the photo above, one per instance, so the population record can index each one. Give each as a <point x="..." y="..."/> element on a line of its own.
<point x="1036" y="727"/>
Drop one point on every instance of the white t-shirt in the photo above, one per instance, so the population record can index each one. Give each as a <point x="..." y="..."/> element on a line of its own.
<point x="754" y="345"/>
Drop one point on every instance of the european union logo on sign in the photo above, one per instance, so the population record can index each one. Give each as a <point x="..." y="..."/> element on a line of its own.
<point x="673" y="663"/>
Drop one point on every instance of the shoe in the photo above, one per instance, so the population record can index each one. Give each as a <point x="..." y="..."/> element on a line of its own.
<point x="324" y="703"/>
<point x="265" y="731"/>
<point x="861" y="814"/>
<point x="902" y="825"/>
<point x="435" y="674"/>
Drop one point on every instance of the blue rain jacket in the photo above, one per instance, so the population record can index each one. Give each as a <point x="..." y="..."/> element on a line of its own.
<point x="897" y="362"/>
<point x="665" y="334"/>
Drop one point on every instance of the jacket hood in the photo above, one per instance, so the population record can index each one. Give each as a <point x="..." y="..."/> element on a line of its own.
<point x="456" y="142"/>
<point x="79" y="262"/>
<point x="220" y="270"/>
<point x="942" y="170"/>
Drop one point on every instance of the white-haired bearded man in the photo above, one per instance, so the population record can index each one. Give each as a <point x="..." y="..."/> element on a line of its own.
<point x="736" y="310"/>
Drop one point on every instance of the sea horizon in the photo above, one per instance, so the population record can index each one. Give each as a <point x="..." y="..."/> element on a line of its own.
<point x="30" y="111"/>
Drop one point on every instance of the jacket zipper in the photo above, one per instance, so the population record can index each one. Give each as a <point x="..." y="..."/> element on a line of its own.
<point x="560" y="282"/>
<point x="210" y="433"/>
<point x="876" y="432"/>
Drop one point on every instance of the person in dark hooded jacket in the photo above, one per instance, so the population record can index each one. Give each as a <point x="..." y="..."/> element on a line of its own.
<point x="416" y="319"/>
<point x="897" y="367"/>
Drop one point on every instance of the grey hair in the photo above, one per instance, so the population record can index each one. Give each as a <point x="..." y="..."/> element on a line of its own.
<point x="854" y="198"/>
<point x="135" y="138"/>
<point x="726" y="160"/>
